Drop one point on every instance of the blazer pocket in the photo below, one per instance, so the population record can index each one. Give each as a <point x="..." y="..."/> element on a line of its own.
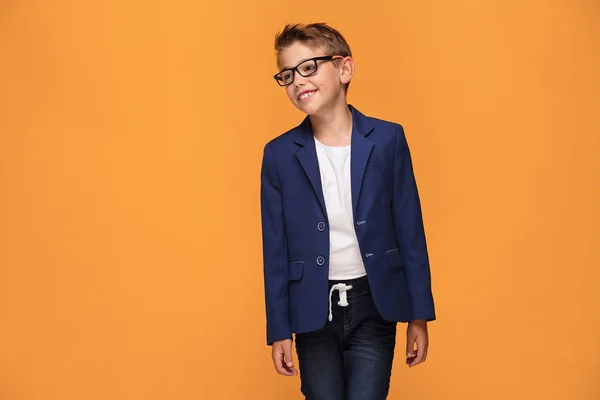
<point x="394" y="258"/>
<point x="374" y="165"/>
<point x="295" y="270"/>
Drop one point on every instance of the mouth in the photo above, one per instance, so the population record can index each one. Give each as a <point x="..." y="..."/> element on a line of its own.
<point x="306" y="95"/>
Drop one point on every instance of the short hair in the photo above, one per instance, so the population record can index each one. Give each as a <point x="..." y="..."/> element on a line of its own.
<point x="317" y="34"/>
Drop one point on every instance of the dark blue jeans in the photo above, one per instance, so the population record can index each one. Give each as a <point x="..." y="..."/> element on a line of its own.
<point x="350" y="358"/>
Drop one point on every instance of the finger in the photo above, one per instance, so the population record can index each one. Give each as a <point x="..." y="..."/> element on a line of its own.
<point x="278" y="361"/>
<point x="423" y="346"/>
<point x="410" y="344"/>
<point x="289" y="360"/>
<point x="283" y="369"/>
<point x="421" y="353"/>
<point x="416" y="360"/>
<point x="409" y="359"/>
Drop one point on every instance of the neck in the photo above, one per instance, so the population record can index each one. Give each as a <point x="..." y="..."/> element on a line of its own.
<point x="333" y="125"/>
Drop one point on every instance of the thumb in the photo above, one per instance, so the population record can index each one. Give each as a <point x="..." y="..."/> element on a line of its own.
<point x="287" y="353"/>
<point x="410" y="345"/>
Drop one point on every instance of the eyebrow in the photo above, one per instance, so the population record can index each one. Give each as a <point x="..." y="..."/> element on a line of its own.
<point x="300" y="62"/>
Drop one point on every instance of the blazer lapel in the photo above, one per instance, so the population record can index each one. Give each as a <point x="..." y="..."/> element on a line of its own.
<point x="307" y="156"/>
<point x="360" y="150"/>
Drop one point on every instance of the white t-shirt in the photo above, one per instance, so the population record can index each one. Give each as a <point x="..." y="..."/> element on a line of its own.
<point x="345" y="261"/>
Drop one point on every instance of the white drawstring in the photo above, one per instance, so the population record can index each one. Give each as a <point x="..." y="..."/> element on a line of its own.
<point x="342" y="288"/>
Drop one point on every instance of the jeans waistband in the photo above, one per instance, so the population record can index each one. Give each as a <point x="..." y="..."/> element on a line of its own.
<point x="359" y="285"/>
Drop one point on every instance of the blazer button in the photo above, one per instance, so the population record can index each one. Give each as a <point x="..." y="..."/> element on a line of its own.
<point x="320" y="260"/>
<point x="321" y="226"/>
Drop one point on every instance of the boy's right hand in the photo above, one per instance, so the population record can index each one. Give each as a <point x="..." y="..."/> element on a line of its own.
<point x="282" y="358"/>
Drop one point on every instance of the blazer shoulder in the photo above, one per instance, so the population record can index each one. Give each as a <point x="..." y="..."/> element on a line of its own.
<point x="282" y="140"/>
<point x="383" y="124"/>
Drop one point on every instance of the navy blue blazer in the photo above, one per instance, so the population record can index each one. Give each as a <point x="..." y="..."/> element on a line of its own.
<point x="387" y="221"/>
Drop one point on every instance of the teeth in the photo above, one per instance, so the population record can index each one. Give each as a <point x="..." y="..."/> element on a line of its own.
<point x="306" y="95"/>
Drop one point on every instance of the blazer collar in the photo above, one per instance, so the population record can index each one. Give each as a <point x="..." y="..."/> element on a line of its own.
<point x="359" y="155"/>
<point x="360" y="126"/>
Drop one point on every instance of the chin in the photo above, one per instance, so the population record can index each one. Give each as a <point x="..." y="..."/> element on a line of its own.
<point x="309" y="109"/>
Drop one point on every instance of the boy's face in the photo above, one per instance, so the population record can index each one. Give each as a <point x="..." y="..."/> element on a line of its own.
<point x="315" y="93"/>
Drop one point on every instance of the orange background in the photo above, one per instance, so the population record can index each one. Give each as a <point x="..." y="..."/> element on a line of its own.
<point x="131" y="135"/>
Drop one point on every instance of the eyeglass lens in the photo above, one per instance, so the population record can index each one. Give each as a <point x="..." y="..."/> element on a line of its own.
<point x="306" y="68"/>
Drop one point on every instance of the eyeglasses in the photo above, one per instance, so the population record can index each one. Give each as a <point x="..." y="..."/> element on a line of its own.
<point x="305" y="68"/>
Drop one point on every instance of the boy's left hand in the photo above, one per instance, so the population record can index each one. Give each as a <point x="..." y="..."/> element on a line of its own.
<point x="416" y="333"/>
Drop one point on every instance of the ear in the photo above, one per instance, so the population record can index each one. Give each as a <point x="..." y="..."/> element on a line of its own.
<point x="346" y="69"/>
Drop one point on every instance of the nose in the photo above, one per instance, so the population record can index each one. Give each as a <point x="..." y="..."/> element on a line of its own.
<point x="299" y="80"/>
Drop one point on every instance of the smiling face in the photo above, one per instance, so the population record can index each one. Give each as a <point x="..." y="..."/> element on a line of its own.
<point x="321" y="91"/>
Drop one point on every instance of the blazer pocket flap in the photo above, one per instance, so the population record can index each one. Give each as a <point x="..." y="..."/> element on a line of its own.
<point x="295" y="270"/>
<point x="394" y="258"/>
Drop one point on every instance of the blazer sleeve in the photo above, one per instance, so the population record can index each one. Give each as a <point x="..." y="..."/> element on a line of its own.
<point x="410" y="232"/>
<point x="274" y="252"/>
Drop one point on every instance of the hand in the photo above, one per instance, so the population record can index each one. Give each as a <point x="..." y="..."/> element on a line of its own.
<point x="416" y="333"/>
<point x="282" y="357"/>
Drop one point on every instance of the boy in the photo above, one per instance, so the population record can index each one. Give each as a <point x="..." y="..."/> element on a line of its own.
<point x="344" y="247"/>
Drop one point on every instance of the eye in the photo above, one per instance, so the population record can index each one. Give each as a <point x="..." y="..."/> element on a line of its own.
<point x="308" y="68"/>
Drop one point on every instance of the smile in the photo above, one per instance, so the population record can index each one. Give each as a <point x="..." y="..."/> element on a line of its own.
<point x="306" y="95"/>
